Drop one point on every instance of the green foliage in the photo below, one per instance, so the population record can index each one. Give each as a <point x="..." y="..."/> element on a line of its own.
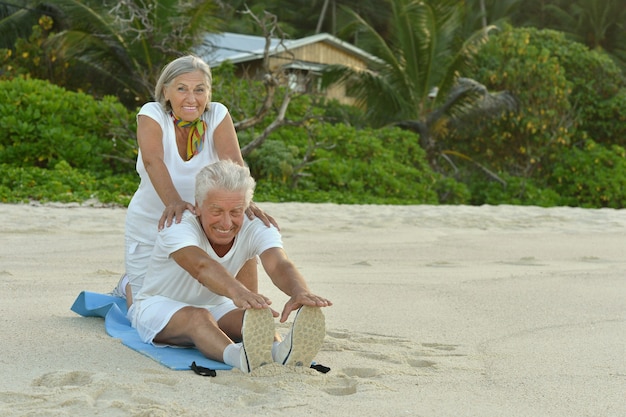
<point x="317" y="160"/>
<point x="238" y="94"/>
<point x="522" y="143"/>
<point x="565" y="146"/>
<point x="117" y="49"/>
<point x="423" y="49"/>
<point x="385" y="165"/>
<point x="300" y="18"/>
<point x="515" y="191"/>
<point x="451" y="191"/>
<point x="591" y="176"/>
<point x="597" y="86"/>
<point x="567" y="94"/>
<point x="29" y="57"/>
<point x="42" y="124"/>
<point x="274" y="161"/>
<point x="605" y="121"/>
<point x="599" y="24"/>
<point x="63" y="183"/>
<point x="71" y="135"/>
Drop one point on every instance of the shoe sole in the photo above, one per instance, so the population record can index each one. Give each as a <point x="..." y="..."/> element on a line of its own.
<point x="307" y="336"/>
<point x="258" y="336"/>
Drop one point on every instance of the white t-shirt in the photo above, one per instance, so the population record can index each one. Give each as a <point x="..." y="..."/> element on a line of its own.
<point x="166" y="278"/>
<point x="145" y="208"/>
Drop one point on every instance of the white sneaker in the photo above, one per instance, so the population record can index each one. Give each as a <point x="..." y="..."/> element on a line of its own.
<point x="120" y="289"/>
<point x="304" y="339"/>
<point x="258" y="337"/>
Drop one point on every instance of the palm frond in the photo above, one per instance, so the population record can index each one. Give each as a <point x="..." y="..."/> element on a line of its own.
<point x="16" y="21"/>
<point x="471" y="99"/>
<point x="103" y="62"/>
<point x="380" y="47"/>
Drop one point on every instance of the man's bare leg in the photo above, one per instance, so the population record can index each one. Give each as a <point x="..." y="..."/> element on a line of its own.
<point x="192" y="326"/>
<point x="248" y="275"/>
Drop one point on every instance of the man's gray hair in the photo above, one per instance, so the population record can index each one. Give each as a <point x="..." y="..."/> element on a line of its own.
<point x="179" y="66"/>
<point x="224" y="175"/>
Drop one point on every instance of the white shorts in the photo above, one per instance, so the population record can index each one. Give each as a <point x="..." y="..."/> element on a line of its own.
<point x="137" y="259"/>
<point x="151" y="315"/>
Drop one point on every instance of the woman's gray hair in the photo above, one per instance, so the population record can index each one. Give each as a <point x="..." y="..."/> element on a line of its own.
<point x="179" y="66"/>
<point x="224" y="175"/>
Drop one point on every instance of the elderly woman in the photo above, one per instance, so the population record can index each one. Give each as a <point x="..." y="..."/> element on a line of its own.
<point x="178" y="134"/>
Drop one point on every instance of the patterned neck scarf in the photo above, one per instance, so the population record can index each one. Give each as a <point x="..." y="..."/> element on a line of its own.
<point x="195" y="140"/>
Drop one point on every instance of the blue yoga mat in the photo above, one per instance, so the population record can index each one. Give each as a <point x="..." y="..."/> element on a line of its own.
<point x="113" y="310"/>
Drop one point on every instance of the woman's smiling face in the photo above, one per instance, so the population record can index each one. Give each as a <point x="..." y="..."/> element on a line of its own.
<point x="188" y="95"/>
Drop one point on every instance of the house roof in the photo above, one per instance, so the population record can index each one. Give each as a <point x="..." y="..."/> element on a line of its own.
<point x="237" y="48"/>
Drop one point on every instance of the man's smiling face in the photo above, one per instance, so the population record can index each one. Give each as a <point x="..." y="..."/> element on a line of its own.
<point x="221" y="215"/>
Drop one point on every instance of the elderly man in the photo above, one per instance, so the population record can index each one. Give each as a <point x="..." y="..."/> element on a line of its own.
<point x="190" y="296"/>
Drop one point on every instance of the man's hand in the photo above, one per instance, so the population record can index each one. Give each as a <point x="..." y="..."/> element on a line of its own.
<point x="247" y="299"/>
<point x="303" y="299"/>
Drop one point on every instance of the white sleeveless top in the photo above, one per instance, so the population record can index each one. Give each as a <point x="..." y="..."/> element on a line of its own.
<point x="145" y="208"/>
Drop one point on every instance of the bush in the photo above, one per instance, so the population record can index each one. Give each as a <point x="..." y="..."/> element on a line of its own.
<point x="275" y="161"/>
<point x="63" y="184"/>
<point x="451" y="191"/>
<point x="598" y="88"/>
<point x="332" y="160"/>
<point x="385" y="165"/>
<point x="567" y="95"/>
<point x="591" y="176"/>
<point x="42" y="124"/>
<point x="520" y="144"/>
<point x="514" y="191"/>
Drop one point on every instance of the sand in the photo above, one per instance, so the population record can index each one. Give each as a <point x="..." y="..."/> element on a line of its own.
<point x="438" y="311"/>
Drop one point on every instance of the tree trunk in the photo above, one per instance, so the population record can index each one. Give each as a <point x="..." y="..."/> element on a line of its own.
<point x="320" y="21"/>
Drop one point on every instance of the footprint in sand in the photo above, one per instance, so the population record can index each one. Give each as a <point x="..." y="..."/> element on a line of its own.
<point x="593" y="259"/>
<point x="442" y="264"/>
<point x="389" y="351"/>
<point x="63" y="379"/>
<point x="253" y="389"/>
<point x="421" y="363"/>
<point x="524" y="261"/>
<point x="439" y="346"/>
<point x="361" y="372"/>
<point x="74" y="392"/>
<point x="341" y="386"/>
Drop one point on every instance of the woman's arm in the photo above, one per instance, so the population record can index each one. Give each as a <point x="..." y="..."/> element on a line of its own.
<point x="226" y="142"/>
<point x="150" y="141"/>
<point x="227" y="146"/>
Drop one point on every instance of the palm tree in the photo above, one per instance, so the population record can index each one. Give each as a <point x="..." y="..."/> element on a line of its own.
<point x="483" y="14"/>
<point x="599" y="24"/>
<point x="300" y="18"/>
<point x="416" y="84"/>
<point x="119" y="49"/>
<point x="16" y="21"/>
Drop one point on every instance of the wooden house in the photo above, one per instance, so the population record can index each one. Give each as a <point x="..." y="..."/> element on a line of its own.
<point x="300" y="60"/>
